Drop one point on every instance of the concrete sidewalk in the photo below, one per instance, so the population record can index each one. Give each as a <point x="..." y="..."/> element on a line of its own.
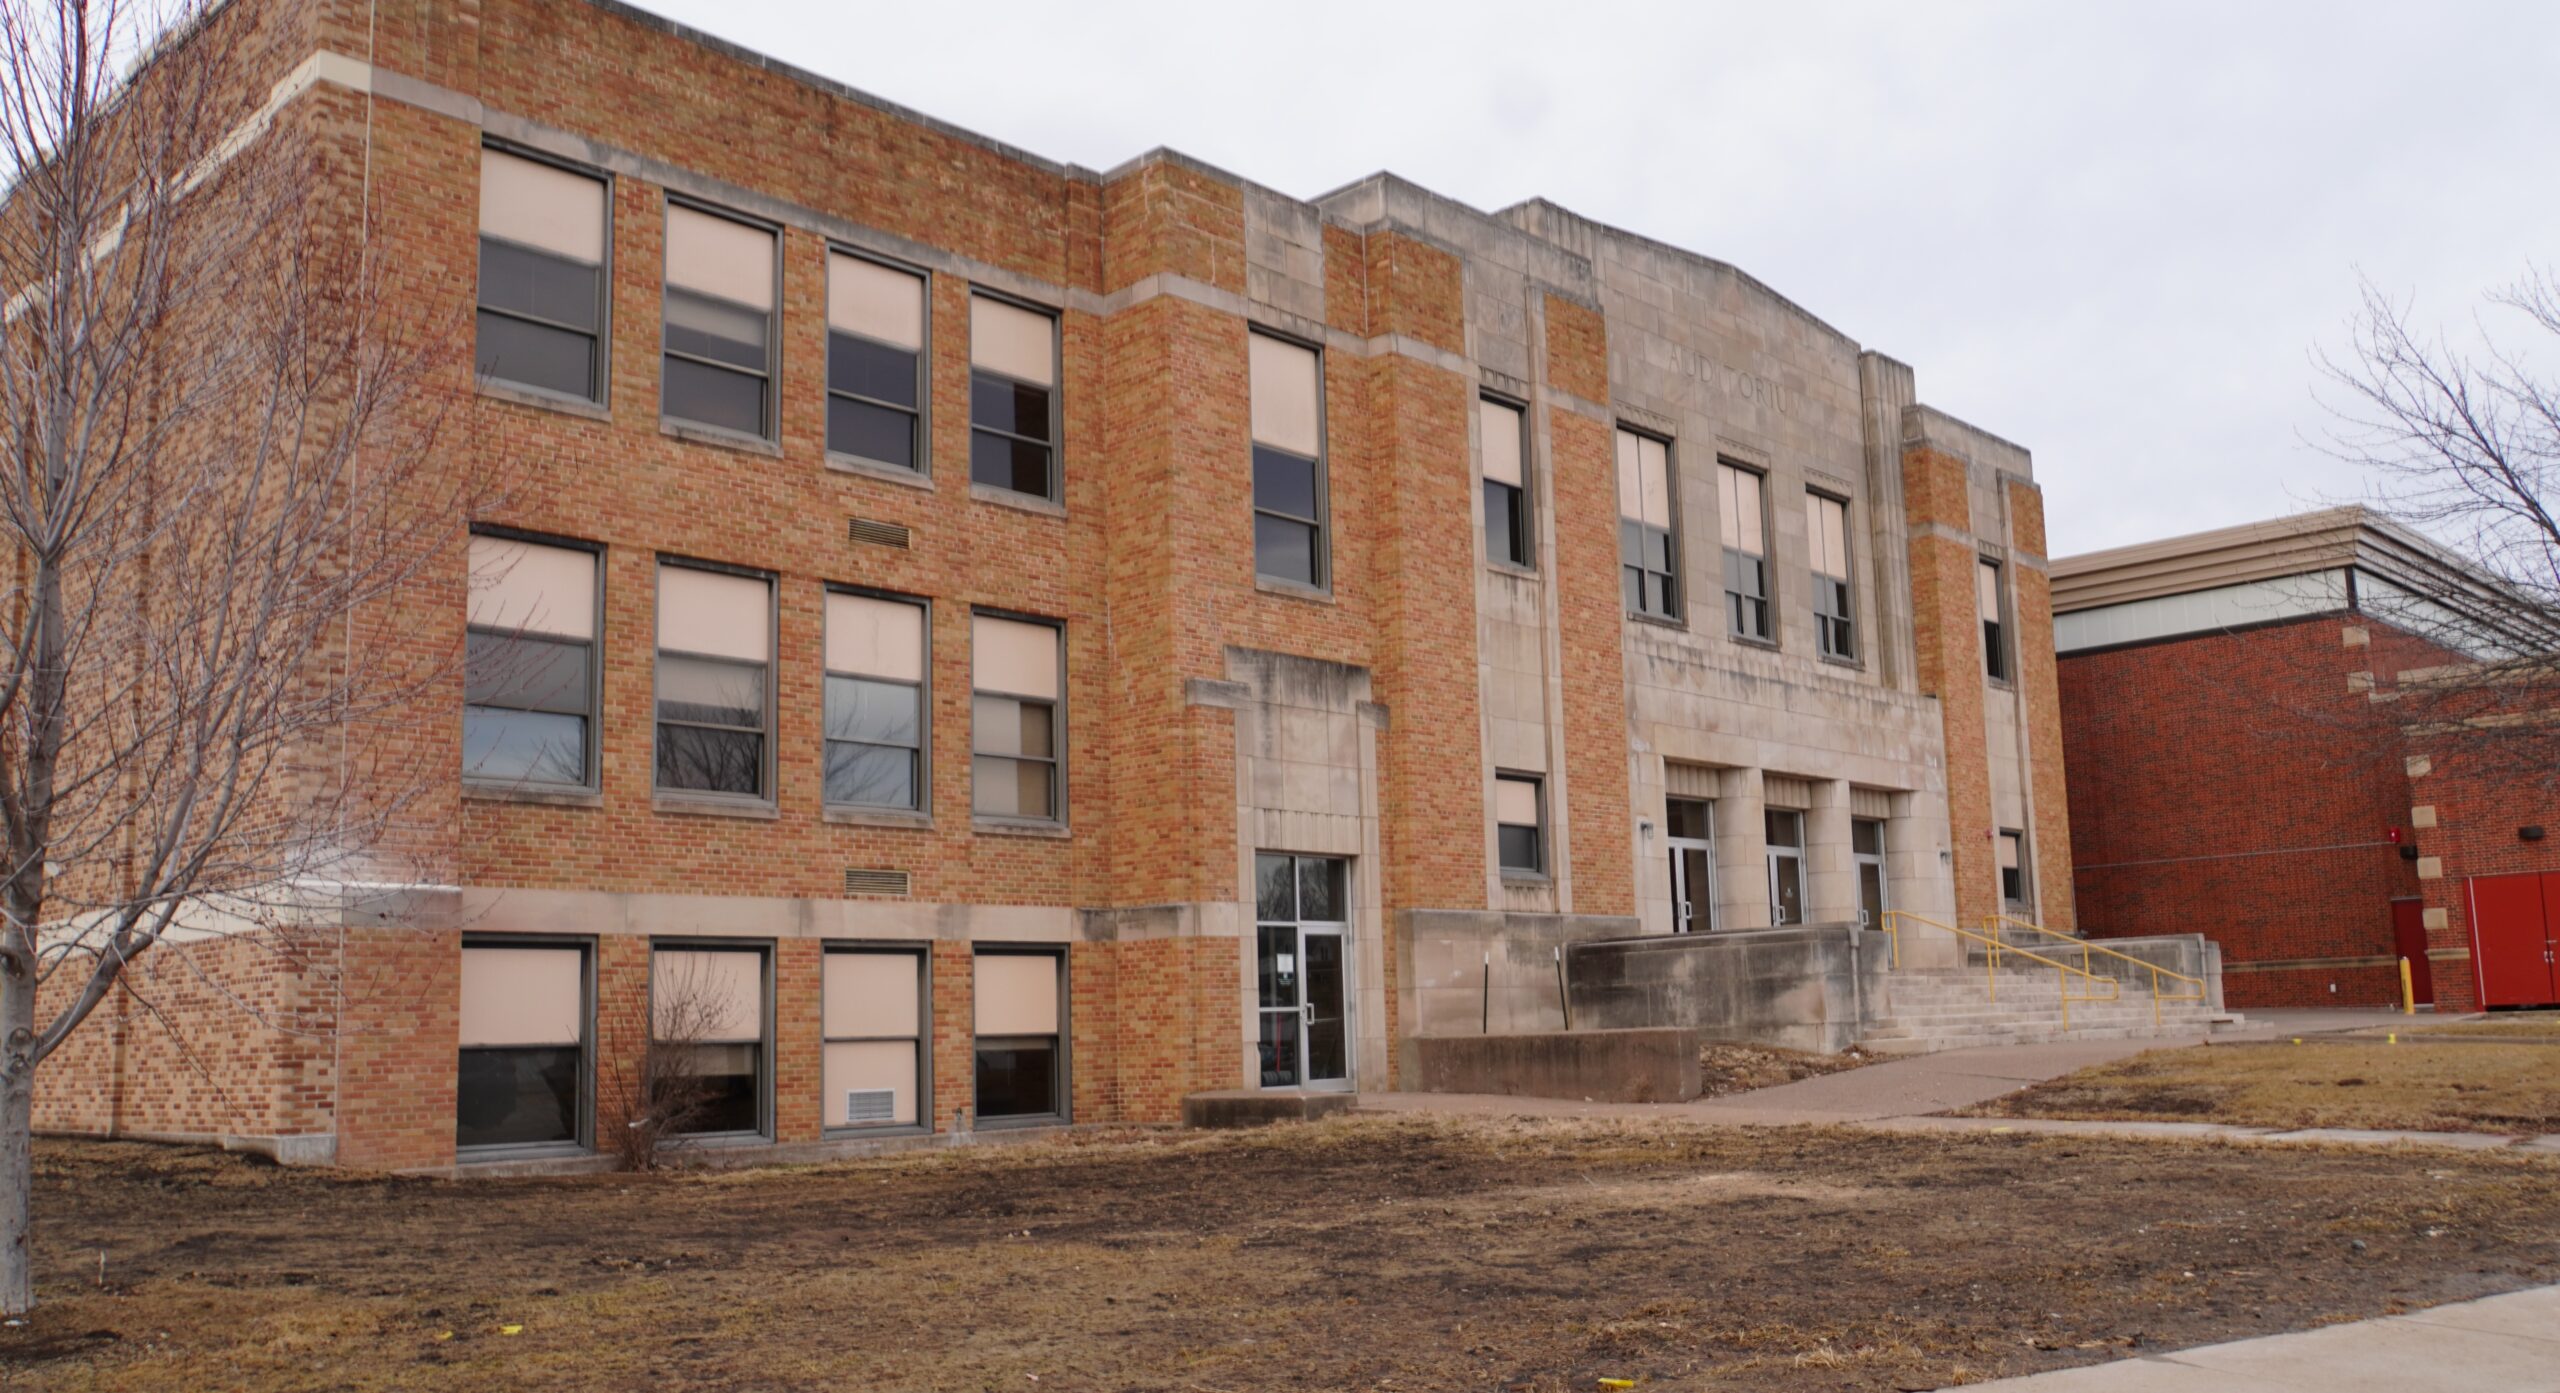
<point x="2510" y="1344"/>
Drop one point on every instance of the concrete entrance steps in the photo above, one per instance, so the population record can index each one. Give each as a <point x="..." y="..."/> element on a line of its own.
<point x="1926" y="1011"/>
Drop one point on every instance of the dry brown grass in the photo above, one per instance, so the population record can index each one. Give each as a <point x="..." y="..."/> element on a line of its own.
<point x="1725" y="1069"/>
<point x="2408" y="1086"/>
<point x="2525" y="1025"/>
<point x="1419" y="1255"/>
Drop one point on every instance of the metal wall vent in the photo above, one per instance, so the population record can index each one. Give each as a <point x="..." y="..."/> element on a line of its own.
<point x="883" y="534"/>
<point x="861" y="882"/>
<point x="870" y="1105"/>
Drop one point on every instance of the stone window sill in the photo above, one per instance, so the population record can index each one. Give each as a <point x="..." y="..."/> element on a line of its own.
<point x="877" y="817"/>
<point x="713" y="435"/>
<point x="546" y="797"/>
<point x="885" y="473"/>
<point x="712" y="807"/>
<point x="540" y="400"/>
<point x="1291" y="590"/>
<point x="1023" y="502"/>
<point x="1003" y="827"/>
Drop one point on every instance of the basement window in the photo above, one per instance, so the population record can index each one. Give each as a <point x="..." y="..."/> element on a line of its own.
<point x="524" y="1071"/>
<point x="1020" y="1045"/>
<point x="707" y="1009"/>
<point x="874" y="1012"/>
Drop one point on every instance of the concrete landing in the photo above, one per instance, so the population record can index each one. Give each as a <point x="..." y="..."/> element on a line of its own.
<point x="2509" y="1343"/>
<point x="1256" y="1107"/>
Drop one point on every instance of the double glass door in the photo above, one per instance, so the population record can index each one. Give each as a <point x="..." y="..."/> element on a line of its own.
<point x="1302" y="912"/>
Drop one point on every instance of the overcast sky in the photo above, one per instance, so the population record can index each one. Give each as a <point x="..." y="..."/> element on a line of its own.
<point x="2114" y="234"/>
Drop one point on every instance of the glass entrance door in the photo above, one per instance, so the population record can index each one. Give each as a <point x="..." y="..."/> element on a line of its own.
<point x="1303" y="988"/>
<point x="1690" y="825"/>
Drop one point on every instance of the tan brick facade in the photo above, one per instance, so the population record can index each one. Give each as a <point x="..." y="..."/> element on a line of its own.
<point x="1209" y="712"/>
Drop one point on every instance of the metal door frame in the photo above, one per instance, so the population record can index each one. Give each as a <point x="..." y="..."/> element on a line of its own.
<point x="1676" y="845"/>
<point x="1340" y="931"/>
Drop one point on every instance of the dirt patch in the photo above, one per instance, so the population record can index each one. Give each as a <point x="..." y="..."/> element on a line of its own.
<point x="2473" y="1086"/>
<point x="1413" y="1254"/>
<point x="1729" y="1069"/>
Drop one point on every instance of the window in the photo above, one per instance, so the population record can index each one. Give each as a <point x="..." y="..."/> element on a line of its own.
<point x="1019" y="1000"/>
<point x="523" y="1079"/>
<point x="1645" y="542"/>
<point x="875" y="701"/>
<point x="719" y="324"/>
<point x="1013" y="718"/>
<point x="875" y="361"/>
<point x="1786" y="866"/>
<point x="1520" y="823"/>
<point x="1741" y="493"/>
<point x="1866" y="849"/>
<point x="1690" y="827"/>
<point x="1995" y="646"/>
<point x="873" y="1012"/>
<point x="1013" y="379"/>
<point x="529" y="678"/>
<point x="707" y="1007"/>
<point x="2013" y="869"/>
<point x="1288" y="461"/>
<point x="715" y="635"/>
<point x="1505" y="432"/>
<point x="542" y="276"/>
<point x="1827" y="526"/>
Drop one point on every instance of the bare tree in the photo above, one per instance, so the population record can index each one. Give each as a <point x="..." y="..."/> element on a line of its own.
<point x="215" y="497"/>
<point x="2464" y="444"/>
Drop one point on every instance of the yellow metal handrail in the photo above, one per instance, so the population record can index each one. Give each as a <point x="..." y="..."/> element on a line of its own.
<point x="1996" y="922"/>
<point x="1893" y="921"/>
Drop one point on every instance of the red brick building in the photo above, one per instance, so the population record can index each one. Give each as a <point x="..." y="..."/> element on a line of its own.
<point x="2239" y="767"/>
<point x="1005" y="644"/>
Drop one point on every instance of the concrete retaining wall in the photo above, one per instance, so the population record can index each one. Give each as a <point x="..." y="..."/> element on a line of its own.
<point x="1803" y="988"/>
<point x="1610" y="1066"/>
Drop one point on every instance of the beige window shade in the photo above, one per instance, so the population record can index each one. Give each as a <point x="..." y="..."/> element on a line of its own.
<point x="1499" y="424"/>
<point x="1829" y="533"/>
<point x="889" y="1064"/>
<point x="1012" y="340"/>
<point x="714" y="614"/>
<point x="1017" y="994"/>
<point x="1986" y="578"/>
<point x="1013" y="657"/>
<point x="719" y="256"/>
<point x="536" y="589"/>
<point x="1745" y="530"/>
<point x="1870" y="803"/>
<point x="709" y="993"/>
<point x="1515" y="802"/>
<point x="870" y="994"/>
<point x="522" y="996"/>
<point x="875" y="637"/>
<point x="2009" y="851"/>
<point x="1644" y="479"/>
<point x="1689" y="780"/>
<point x="541" y="206"/>
<point x="875" y="301"/>
<point x="1779" y="791"/>
<point x="1287" y="387"/>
